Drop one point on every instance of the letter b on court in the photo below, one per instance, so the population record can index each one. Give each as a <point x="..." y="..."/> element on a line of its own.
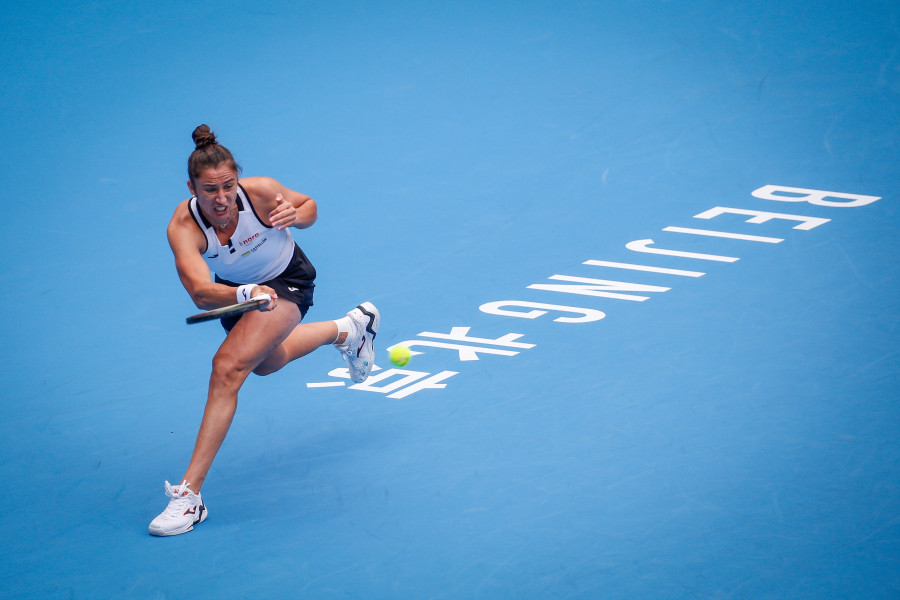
<point x="782" y="193"/>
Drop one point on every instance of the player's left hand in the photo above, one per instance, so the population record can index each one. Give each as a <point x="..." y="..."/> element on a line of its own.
<point x="273" y="297"/>
<point x="284" y="214"/>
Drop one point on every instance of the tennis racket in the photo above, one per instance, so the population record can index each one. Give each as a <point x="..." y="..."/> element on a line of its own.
<point x="230" y="311"/>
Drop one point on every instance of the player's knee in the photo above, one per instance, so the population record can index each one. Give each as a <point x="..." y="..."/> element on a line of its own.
<point x="229" y="370"/>
<point x="263" y="370"/>
<point x="272" y="363"/>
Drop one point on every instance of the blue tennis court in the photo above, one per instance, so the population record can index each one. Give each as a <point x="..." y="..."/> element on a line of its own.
<point x="645" y="254"/>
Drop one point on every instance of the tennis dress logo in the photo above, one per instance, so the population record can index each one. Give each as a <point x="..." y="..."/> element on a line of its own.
<point x="250" y="240"/>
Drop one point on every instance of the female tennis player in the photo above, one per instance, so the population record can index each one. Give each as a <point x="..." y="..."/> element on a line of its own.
<point x="237" y="228"/>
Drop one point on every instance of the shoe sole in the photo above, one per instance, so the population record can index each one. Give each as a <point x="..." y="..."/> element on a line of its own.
<point x="203" y="514"/>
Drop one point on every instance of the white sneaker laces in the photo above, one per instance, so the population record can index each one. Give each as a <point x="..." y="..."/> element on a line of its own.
<point x="180" y="501"/>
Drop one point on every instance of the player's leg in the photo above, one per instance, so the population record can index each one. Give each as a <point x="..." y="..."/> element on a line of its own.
<point x="304" y="339"/>
<point x="253" y="338"/>
<point x="353" y="335"/>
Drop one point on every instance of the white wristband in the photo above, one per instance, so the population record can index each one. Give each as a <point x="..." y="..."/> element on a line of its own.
<point x="244" y="291"/>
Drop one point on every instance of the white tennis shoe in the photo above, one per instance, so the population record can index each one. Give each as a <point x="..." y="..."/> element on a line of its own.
<point x="185" y="510"/>
<point x="359" y="347"/>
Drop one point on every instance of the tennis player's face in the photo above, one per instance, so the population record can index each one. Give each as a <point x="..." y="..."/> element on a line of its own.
<point x="216" y="191"/>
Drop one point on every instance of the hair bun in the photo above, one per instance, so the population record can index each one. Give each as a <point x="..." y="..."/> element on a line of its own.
<point x="203" y="137"/>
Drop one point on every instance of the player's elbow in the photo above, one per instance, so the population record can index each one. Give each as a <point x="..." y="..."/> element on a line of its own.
<point x="307" y="214"/>
<point x="203" y="299"/>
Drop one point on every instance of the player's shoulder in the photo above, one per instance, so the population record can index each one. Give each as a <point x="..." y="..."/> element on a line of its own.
<point x="182" y="220"/>
<point x="260" y="185"/>
<point x="182" y="213"/>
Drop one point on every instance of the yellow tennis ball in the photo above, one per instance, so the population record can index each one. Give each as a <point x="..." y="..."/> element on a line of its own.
<point x="400" y="355"/>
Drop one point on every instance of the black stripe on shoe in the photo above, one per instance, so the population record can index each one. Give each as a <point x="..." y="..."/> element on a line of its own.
<point x="371" y="320"/>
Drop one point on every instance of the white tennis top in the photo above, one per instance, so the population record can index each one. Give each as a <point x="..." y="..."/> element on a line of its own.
<point x="254" y="254"/>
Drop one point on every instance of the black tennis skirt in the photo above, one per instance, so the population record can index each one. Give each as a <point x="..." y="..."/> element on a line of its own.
<point x="295" y="284"/>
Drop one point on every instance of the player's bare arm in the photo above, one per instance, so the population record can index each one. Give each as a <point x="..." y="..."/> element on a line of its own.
<point x="280" y="206"/>
<point x="188" y="245"/>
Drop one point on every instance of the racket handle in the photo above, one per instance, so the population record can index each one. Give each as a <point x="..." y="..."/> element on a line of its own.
<point x="265" y="297"/>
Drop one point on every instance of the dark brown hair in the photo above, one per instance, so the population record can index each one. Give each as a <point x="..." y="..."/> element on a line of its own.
<point x="208" y="153"/>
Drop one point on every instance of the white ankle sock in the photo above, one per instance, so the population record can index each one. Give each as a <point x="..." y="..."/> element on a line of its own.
<point x="345" y="330"/>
